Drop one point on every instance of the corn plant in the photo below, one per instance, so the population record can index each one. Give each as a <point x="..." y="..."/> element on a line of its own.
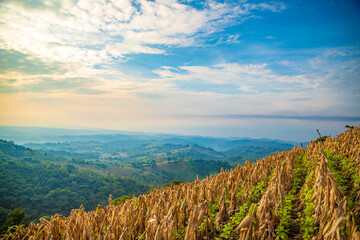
<point x="254" y="201"/>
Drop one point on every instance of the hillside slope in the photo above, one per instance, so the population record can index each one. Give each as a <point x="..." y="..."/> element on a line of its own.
<point x="305" y="193"/>
<point x="42" y="185"/>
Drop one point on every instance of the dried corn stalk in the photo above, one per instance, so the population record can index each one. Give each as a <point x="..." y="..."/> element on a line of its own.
<point x="177" y="212"/>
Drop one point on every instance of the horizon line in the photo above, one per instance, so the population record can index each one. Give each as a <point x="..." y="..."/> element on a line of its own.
<point x="290" y="117"/>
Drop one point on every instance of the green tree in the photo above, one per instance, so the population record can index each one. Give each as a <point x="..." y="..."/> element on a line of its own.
<point x="15" y="218"/>
<point x="122" y="199"/>
<point x="173" y="183"/>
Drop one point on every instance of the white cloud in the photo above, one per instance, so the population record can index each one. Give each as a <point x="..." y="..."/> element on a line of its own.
<point x="270" y="37"/>
<point x="259" y="76"/>
<point x="91" y="31"/>
<point x="247" y="89"/>
<point x="341" y="52"/>
<point x="275" y="7"/>
<point x="120" y="49"/>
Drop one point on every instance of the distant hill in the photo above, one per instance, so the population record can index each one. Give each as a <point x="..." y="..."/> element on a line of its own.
<point x="10" y="150"/>
<point x="93" y="143"/>
<point x="197" y="152"/>
<point x="43" y="184"/>
<point x="255" y="152"/>
<point x="120" y="150"/>
<point x="248" y="142"/>
<point x="304" y="193"/>
<point x="133" y="150"/>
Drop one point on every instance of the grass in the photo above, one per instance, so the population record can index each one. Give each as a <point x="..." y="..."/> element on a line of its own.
<point x="307" y="226"/>
<point x="210" y="218"/>
<point x="335" y="165"/>
<point x="254" y="194"/>
<point x="282" y="230"/>
<point x="307" y="222"/>
<point x="345" y="173"/>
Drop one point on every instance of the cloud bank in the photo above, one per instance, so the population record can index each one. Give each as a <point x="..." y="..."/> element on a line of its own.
<point x="97" y="31"/>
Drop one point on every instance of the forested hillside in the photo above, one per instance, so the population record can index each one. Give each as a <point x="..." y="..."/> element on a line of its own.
<point x="305" y="193"/>
<point x="42" y="184"/>
<point x="133" y="150"/>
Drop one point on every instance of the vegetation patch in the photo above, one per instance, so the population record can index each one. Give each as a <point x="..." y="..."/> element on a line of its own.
<point x="282" y="230"/>
<point x="335" y="167"/>
<point x="307" y="221"/>
<point x="346" y="177"/>
<point x="119" y="200"/>
<point x="254" y="195"/>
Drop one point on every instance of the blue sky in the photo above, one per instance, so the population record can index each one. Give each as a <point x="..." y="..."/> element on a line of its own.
<point x="274" y="69"/>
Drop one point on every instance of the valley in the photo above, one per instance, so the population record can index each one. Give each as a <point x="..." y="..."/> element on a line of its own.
<point x="47" y="178"/>
<point x="302" y="193"/>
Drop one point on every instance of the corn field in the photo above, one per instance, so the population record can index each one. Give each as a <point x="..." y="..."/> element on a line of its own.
<point x="305" y="193"/>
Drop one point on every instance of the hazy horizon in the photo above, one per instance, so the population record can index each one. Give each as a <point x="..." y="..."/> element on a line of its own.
<point x="293" y="135"/>
<point x="259" y="69"/>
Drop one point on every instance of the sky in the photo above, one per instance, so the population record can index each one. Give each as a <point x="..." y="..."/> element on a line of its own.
<point x="275" y="69"/>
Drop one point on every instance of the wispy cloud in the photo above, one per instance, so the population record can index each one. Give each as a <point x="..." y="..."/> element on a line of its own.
<point x="257" y="77"/>
<point x="69" y="38"/>
<point x="226" y="87"/>
<point x="93" y="32"/>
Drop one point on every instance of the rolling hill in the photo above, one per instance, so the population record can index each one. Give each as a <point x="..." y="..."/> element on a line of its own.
<point x="43" y="184"/>
<point x="128" y="151"/>
<point x="129" y="146"/>
<point x="304" y="193"/>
